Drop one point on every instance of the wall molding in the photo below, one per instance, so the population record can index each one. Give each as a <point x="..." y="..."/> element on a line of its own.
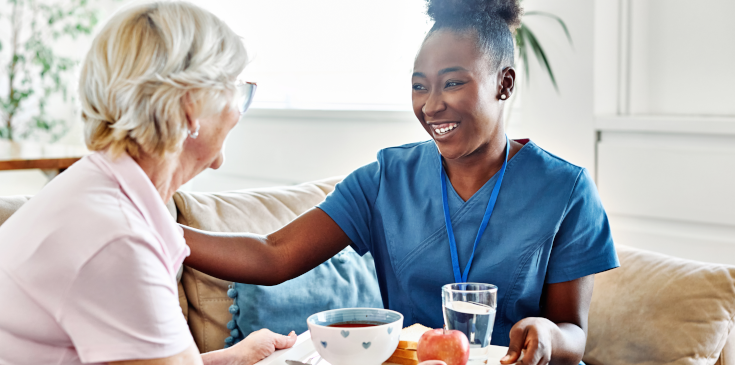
<point x="707" y="125"/>
<point x="332" y="115"/>
<point x="696" y="241"/>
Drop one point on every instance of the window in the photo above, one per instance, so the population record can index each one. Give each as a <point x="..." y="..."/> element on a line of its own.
<point x="328" y="54"/>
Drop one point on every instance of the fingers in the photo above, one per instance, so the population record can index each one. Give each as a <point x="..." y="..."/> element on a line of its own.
<point x="510" y="358"/>
<point x="284" y="342"/>
<point x="531" y="355"/>
<point x="537" y="353"/>
<point x="517" y="340"/>
<point x="529" y="344"/>
<point x="433" y="362"/>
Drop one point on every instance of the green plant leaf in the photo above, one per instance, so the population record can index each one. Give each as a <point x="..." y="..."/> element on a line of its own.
<point x="555" y="17"/>
<point x="526" y="42"/>
<point x="522" y="51"/>
<point x="541" y="56"/>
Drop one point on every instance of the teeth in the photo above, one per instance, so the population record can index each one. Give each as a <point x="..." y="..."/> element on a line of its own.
<point x="445" y="130"/>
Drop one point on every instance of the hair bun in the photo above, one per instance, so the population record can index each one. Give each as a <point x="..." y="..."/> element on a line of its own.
<point x="464" y="11"/>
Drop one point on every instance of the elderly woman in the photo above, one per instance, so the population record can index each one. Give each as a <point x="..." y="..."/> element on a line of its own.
<point x="88" y="266"/>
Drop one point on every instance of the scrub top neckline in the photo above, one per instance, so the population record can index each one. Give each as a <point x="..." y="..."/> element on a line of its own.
<point x="524" y="141"/>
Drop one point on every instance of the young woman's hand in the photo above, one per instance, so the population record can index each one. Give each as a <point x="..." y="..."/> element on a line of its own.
<point x="535" y="337"/>
<point x="259" y="345"/>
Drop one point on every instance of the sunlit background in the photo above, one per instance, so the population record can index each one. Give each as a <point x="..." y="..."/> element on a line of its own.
<point x="645" y="101"/>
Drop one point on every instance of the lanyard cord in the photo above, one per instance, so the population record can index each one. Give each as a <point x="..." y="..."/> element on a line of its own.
<point x="462" y="278"/>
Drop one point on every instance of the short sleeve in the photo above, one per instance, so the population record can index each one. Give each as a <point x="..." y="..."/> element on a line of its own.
<point x="583" y="244"/>
<point x="124" y="305"/>
<point x="350" y="205"/>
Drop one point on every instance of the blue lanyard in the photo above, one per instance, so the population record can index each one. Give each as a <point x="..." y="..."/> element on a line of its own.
<point x="485" y="219"/>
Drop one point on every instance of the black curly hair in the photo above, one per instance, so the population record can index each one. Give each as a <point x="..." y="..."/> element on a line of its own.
<point x="493" y="21"/>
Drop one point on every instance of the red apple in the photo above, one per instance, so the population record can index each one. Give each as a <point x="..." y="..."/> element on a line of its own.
<point x="452" y="347"/>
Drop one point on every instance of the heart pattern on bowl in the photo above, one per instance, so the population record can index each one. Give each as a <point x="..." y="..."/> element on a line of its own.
<point x="371" y="344"/>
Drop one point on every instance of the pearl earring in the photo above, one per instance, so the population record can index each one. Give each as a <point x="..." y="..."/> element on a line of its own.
<point x="503" y="96"/>
<point x="195" y="134"/>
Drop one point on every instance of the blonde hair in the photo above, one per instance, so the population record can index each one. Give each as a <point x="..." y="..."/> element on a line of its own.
<point x="144" y="64"/>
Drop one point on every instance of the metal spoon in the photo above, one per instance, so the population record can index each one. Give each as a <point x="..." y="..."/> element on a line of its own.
<point x="312" y="360"/>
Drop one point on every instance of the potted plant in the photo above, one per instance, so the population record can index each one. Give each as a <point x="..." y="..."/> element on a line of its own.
<point x="527" y="43"/>
<point x="32" y="71"/>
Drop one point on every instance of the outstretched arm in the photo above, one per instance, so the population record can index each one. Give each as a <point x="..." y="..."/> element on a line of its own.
<point x="300" y="246"/>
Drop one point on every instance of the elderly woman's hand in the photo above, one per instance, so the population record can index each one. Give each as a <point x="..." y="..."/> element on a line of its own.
<point x="259" y="345"/>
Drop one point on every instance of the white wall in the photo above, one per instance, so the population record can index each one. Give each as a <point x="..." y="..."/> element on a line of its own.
<point x="681" y="57"/>
<point x="21" y="182"/>
<point x="670" y="192"/>
<point x="339" y="142"/>
<point x="658" y="96"/>
<point x="304" y="55"/>
<point x="563" y="122"/>
<point x="666" y="125"/>
<point x="309" y="145"/>
<point x="282" y="147"/>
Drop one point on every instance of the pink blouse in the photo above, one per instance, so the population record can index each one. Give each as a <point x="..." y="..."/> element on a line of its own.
<point x="88" y="270"/>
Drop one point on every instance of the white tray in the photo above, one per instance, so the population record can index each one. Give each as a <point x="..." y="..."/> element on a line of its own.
<point x="304" y="348"/>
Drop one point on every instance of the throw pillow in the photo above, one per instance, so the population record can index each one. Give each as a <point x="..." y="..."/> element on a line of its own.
<point x="656" y="309"/>
<point x="344" y="281"/>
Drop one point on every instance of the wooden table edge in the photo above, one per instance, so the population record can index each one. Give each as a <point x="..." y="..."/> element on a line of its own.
<point x="44" y="163"/>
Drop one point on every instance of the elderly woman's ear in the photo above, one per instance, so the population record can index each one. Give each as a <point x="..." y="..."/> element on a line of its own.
<point x="207" y="128"/>
<point x="191" y="110"/>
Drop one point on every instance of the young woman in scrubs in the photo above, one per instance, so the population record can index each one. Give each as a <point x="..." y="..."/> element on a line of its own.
<point x="469" y="205"/>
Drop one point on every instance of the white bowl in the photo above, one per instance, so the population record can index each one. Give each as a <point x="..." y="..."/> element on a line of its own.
<point x="355" y="346"/>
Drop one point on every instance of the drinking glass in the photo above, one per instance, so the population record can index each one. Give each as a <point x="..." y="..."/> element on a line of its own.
<point x="470" y="308"/>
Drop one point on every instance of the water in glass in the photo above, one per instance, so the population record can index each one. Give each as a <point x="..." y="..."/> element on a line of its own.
<point x="470" y="308"/>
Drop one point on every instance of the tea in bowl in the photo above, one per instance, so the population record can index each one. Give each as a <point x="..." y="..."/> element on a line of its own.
<point x="355" y="336"/>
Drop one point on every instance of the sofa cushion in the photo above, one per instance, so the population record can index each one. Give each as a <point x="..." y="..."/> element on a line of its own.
<point x="727" y="357"/>
<point x="9" y="204"/>
<point x="258" y="211"/>
<point x="657" y="309"/>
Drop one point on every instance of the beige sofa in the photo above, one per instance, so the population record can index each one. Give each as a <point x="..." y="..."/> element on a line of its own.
<point x="655" y="309"/>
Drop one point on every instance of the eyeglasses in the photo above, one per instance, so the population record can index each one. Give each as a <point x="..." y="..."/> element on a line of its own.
<point x="245" y="91"/>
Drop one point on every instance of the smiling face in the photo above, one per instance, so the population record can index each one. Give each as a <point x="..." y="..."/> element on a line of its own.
<point x="456" y="94"/>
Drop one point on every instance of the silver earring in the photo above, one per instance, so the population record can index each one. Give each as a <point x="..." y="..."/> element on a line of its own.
<point x="503" y="96"/>
<point x="195" y="134"/>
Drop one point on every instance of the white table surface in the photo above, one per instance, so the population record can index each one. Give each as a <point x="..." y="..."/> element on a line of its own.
<point x="304" y="348"/>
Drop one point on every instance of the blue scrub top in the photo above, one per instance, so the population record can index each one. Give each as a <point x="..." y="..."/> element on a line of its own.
<point x="548" y="226"/>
